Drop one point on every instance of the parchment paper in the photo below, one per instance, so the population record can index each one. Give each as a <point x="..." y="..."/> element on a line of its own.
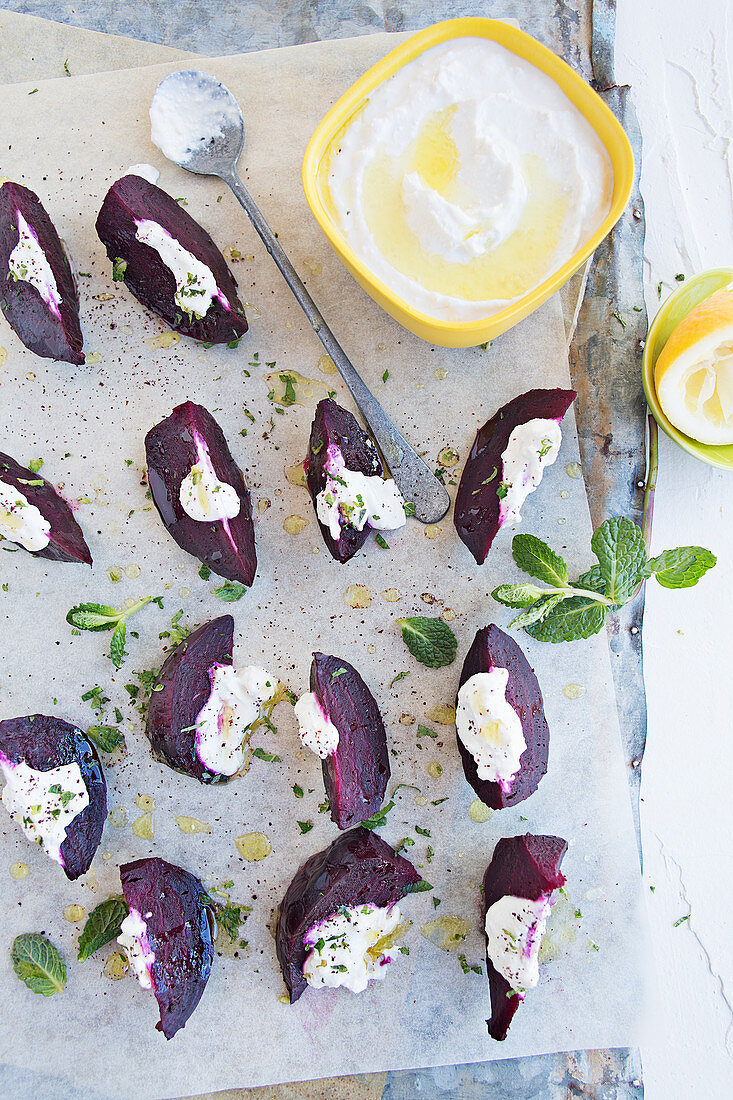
<point x="69" y="141"/>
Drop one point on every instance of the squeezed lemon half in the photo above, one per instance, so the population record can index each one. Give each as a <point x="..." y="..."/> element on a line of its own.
<point x="693" y="374"/>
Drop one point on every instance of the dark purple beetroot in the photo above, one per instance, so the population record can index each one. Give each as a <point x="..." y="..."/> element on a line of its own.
<point x="522" y="867"/>
<point x="186" y="686"/>
<point x="66" y="541"/>
<point x="492" y="648"/>
<point x="334" y="426"/>
<point x="226" y="546"/>
<point x="476" y="512"/>
<point x="133" y="199"/>
<point x="50" y="331"/>
<point x="356" y="775"/>
<point x="45" y="742"/>
<point x="359" y="868"/>
<point x="174" y="906"/>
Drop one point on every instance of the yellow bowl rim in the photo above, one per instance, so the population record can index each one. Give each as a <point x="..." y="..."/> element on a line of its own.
<point x="705" y="452"/>
<point x="530" y="49"/>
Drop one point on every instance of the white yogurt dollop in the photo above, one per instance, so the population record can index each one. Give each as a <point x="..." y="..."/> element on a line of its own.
<point x="467" y="179"/>
<point x="44" y="804"/>
<point x="514" y="931"/>
<point x="531" y="448"/>
<point x="195" y="283"/>
<point x="134" y="939"/>
<point x="235" y="702"/>
<point x="316" y="730"/>
<point x="203" y="496"/>
<point x="340" y="947"/>
<point x="490" y="728"/>
<point x="28" y="263"/>
<point x="145" y="171"/>
<point x="21" y="521"/>
<point x="352" y="499"/>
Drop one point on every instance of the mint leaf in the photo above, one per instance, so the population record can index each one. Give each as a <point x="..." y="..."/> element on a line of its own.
<point x="37" y="963"/>
<point x="117" y="644"/>
<point x="535" y="557"/>
<point x="418" y="887"/>
<point x="379" y="818"/>
<point x="119" y="267"/>
<point x="431" y="641"/>
<point x="106" y="738"/>
<point x="93" y="616"/>
<point x="102" y="925"/>
<point x="231" y="591"/>
<point x="269" y="757"/>
<point x="518" y="595"/>
<point x="305" y="826"/>
<point x="575" y="618"/>
<point x="593" y="580"/>
<point x="539" y="611"/>
<point x="204" y="572"/>
<point x="619" y="546"/>
<point x="682" y="567"/>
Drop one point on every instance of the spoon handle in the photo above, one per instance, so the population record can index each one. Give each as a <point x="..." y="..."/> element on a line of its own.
<point x="414" y="477"/>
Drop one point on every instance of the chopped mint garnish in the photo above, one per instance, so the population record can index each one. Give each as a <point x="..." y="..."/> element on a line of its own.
<point x="305" y="826"/>
<point x="230" y="591"/>
<point x="377" y="820"/>
<point x="268" y="756"/>
<point x="106" y="738"/>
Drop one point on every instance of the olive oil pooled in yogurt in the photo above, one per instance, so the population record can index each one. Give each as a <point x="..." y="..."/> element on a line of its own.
<point x="467" y="179"/>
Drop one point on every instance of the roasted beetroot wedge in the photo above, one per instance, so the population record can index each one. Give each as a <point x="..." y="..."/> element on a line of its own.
<point x="64" y="535"/>
<point x="44" y="744"/>
<point x="359" y="868"/>
<point x="493" y="649"/>
<point x="173" y="448"/>
<point x="197" y="295"/>
<point x="182" y="688"/>
<point x="482" y="499"/>
<point x="37" y="291"/>
<point x="356" y="774"/>
<point x="522" y="867"/>
<point x="178" y="932"/>
<point x="334" y="426"/>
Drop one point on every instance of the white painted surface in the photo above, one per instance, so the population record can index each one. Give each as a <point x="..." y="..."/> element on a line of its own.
<point x="677" y="57"/>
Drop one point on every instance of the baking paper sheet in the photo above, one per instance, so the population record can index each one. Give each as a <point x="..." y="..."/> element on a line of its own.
<point x="69" y="141"/>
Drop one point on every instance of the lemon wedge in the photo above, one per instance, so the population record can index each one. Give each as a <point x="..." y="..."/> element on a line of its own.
<point x="694" y="372"/>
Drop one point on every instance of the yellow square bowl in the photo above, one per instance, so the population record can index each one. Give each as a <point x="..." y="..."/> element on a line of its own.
<point x="462" y="334"/>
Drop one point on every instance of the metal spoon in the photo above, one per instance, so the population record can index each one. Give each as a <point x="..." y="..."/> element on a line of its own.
<point x="197" y="123"/>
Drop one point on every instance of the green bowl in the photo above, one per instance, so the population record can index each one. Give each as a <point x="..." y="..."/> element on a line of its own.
<point x="678" y="305"/>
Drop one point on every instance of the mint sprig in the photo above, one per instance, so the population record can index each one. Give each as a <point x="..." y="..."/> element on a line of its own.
<point x="431" y="641"/>
<point x="566" y="612"/>
<point x="98" y="616"/>
<point x="102" y="925"/>
<point x="37" y="963"/>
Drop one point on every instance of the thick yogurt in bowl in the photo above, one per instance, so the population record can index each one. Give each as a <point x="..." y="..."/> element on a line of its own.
<point x="465" y="180"/>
